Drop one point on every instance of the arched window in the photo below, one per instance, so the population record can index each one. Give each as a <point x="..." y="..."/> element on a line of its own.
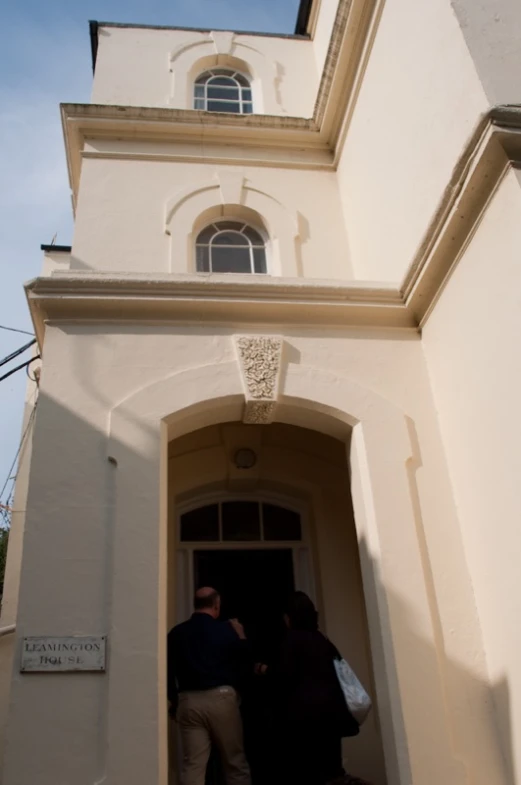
<point x="230" y="247"/>
<point x="223" y="90"/>
<point x="240" y="521"/>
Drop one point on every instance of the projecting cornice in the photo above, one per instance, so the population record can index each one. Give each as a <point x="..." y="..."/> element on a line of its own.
<point x="492" y="149"/>
<point x="213" y="299"/>
<point x="181" y="134"/>
<point x="264" y="140"/>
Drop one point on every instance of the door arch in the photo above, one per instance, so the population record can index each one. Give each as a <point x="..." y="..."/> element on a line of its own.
<point x="386" y="522"/>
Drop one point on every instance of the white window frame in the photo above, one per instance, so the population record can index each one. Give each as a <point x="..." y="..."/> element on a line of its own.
<point x="302" y="555"/>
<point x="231" y="74"/>
<point x="218" y="231"/>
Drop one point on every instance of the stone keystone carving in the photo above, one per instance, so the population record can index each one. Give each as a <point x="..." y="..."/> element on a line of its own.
<point x="260" y="362"/>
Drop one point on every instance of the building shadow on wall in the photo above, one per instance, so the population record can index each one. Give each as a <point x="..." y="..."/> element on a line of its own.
<point x="484" y="758"/>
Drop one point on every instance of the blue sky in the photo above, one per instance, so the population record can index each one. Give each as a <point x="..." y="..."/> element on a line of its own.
<point x="45" y="60"/>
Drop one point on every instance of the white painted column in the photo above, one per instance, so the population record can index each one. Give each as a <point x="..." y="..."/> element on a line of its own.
<point x="408" y="671"/>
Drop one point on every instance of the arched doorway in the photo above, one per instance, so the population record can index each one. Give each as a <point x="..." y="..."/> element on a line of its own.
<point x="409" y="668"/>
<point x="257" y="532"/>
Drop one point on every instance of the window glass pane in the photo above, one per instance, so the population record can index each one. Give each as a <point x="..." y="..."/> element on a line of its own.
<point x="241" y="521"/>
<point x="206" y="235"/>
<point x="253" y="235"/>
<point x="199" y="103"/>
<point x="231" y="260"/>
<point x="247" y="108"/>
<point x="202" y="79"/>
<point x="222" y="72"/>
<point x="230" y="238"/>
<point x="223" y="81"/>
<point x="259" y="260"/>
<point x="202" y="259"/>
<point x="234" y="225"/>
<point x="281" y="524"/>
<point x="224" y="106"/>
<point x="226" y="93"/>
<point x="201" y="525"/>
<point x="242" y="80"/>
<point x="246" y="95"/>
<point x="199" y="91"/>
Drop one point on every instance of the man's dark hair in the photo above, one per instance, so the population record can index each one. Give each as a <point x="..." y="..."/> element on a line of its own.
<point x="206" y="600"/>
<point x="301" y="612"/>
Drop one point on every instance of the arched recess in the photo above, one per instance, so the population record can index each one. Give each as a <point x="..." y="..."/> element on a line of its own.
<point x="408" y="668"/>
<point x="303" y="470"/>
<point x="229" y="194"/>
<point x="224" y="50"/>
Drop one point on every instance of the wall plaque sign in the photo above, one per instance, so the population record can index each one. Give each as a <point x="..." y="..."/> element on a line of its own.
<point x="75" y="653"/>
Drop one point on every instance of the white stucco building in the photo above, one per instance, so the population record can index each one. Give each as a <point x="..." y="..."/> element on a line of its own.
<point x="282" y="347"/>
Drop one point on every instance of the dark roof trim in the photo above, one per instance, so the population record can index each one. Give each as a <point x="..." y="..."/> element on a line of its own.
<point x="304" y="11"/>
<point x="94" y="28"/>
<point x="54" y="248"/>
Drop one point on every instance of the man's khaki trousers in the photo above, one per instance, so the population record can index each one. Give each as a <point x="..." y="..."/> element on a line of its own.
<point x="212" y="716"/>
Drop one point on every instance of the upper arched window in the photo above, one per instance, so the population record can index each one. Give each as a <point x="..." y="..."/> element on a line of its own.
<point x="223" y="90"/>
<point x="230" y="247"/>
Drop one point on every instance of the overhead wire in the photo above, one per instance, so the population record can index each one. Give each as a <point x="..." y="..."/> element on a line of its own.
<point x="18" y="452"/>
<point x="15" y="330"/>
<point x="35" y="378"/>
<point x="6" y="509"/>
<point x="14" y="354"/>
<point x="19" y="367"/>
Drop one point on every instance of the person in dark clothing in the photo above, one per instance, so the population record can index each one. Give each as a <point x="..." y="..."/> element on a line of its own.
<point x="313" y="715"/>
<point x="205" y="657"/>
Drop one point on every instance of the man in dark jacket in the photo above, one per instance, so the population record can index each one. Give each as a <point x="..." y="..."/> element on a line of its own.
<point x="204" y="661"/>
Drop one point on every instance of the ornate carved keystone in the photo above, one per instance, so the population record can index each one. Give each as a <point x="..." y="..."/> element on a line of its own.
<point x="260" y="362"/>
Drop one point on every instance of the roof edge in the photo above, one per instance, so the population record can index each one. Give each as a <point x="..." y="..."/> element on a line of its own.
<point x="300" y="33"/>
<point x="56" y="248"/>
<point x="304" y="12"/>
<point x="93" y="29"/>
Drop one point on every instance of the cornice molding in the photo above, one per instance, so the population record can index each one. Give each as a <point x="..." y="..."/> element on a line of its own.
<point x="270" y="139"/>
<point x="213" y="299"/>
<point x="293" y="141"/>
<point x="492" y="149"/>
<point x="348" y="52"/>
<point x="282" y="141"/>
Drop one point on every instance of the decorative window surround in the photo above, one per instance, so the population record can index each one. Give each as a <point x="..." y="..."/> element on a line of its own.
<point x="230" y="191"/>
<point x="221" y="49"/>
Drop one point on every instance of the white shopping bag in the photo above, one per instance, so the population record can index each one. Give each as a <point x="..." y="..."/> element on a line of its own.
<point x="358" y="701"/>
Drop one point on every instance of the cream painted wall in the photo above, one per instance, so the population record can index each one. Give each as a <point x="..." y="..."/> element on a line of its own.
<point x="307" y="467"/>
<point x="471" y="346"/>
<point x="323" y="28"/>
<point x="121" y="215"/>
<point x="492" y="32"/>
<point x="419" y="103"/>
<point x="109" y="580"/>
<point x="9" y="609"/>
<point x="134" y="67"/>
